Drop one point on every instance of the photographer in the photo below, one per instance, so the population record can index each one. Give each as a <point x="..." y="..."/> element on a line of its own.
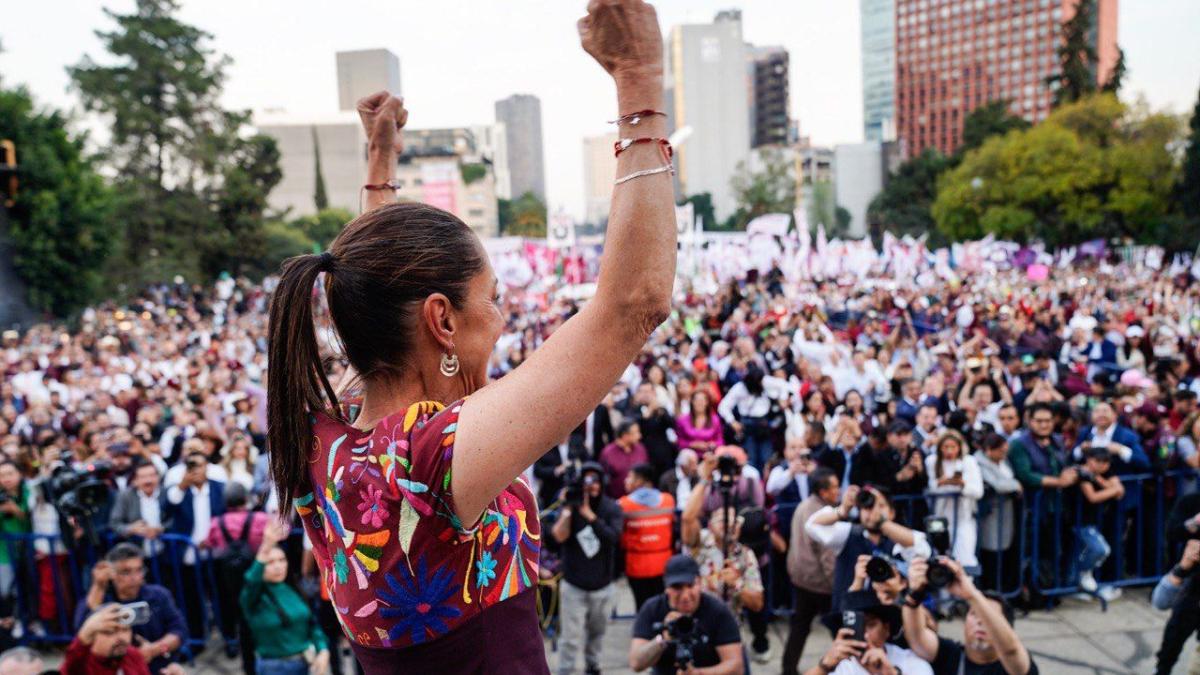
<point x="1178" y="590"/>
<point x="875" y="533"/>
<point x="102" y="646"/>
<point x="588" y="529"/>
<point x="121" y="577"/>
<point x="862" y="645"/>
<point x="686" y="630"/>
<point x="990" y="645"/>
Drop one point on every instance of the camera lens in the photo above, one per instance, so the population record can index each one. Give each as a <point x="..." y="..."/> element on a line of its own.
<point x="879" y="569"/>
<point x="939" y="575"/>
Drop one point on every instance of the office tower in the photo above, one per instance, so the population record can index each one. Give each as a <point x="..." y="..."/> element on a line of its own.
<point x="878" y="68"/>
<point x="521" y="115"/>
<point x="955" y="55"/>
<point x="772" y="124"/>
<point x="707" y="90"/>
<point x="363" y="72"/>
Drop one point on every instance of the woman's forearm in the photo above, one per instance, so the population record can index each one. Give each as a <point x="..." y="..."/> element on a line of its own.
<point x="381" y="170"/>
<point x="639" y="262"/>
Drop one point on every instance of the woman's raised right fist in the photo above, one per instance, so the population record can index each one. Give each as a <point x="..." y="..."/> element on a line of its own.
<point x="383" y="116"/>
<point x="624" y="37"/>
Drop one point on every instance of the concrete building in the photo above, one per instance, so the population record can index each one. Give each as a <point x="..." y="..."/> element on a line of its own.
<point x="599" y="171"/>
<point x="343" y="147"/>
<point x="955" y="55"/>
<point x="770" y="73"/>
<point x="707" y="90"/>
<point x="491" y="143"/>
<point x="437" y="177"/>
<point x="521" y="115"/>
<point x="859" y="170"/>
<point x="363" y="72"/>
<point x="878" y="68"/>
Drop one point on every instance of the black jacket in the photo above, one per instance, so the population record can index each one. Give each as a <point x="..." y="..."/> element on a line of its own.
<point x="599" y="570"/>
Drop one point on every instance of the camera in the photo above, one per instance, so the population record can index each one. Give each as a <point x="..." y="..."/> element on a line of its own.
<point x="193" y="462"/>
<point x="1086" y="476"/>
<point x="134" y="614"/>
<point x="78" y="492"/>
<point x="576" y="488"/>
<point x="865" y="500"/>
<point x="880" y="569"/>
<point x="685" y="636"/>
<point x="937" y="531"/>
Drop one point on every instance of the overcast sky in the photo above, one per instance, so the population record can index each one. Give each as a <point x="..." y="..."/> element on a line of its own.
<point x="458" y="58"/>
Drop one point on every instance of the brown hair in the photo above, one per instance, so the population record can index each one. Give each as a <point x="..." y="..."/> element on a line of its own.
<point x="946" y="436"/>
<point x="381" y="265"/>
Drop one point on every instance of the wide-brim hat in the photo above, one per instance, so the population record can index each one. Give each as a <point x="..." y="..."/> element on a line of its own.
<point x="868" y="603"/>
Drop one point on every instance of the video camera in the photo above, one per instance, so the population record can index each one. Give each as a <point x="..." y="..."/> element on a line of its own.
<point x="78" y="492"/>
<point x="576" y="481"/>
<point x="685" y="635"/>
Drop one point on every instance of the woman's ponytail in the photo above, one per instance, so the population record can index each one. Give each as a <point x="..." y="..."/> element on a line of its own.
<point x="296" y="381"/>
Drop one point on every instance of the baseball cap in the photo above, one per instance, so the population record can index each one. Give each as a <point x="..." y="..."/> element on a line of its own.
<point x="681" y="569"/>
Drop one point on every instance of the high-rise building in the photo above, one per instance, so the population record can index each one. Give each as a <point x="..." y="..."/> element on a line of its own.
<point x="955" y="55"/>
<point x="878" y="68"/>
<point x="859" y="170"/>
<point x="363" y="72"/>
<point x="522" y="118"/>
<point x="707" y="90"/>
<point x="772" y="124"/>
<point x="599" y="171"/>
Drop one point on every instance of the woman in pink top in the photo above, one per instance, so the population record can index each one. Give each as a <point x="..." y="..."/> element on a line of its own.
<point x="700" y="429"/>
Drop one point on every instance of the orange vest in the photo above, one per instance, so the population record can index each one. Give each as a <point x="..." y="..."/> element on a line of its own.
<point x="647" y="537"/>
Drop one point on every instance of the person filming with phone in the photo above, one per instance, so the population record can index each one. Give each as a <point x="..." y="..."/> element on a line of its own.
<point x="121" y="578"/>
<point x="863" y="641"/>
<point x="104" y="645"/>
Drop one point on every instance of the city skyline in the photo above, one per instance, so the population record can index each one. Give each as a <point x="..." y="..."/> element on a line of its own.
<point x="457" y="61"/>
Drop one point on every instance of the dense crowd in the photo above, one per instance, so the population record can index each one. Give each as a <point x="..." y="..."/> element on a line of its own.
<point x="780" y="434"/>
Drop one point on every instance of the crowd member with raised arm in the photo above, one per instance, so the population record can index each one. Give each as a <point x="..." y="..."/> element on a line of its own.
<point x="412" y="548"/>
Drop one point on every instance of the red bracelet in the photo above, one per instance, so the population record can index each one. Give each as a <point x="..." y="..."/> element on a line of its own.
<point x="634" y="117"/>
<point x="663" y="144"/>
<point x="381" y="186"/>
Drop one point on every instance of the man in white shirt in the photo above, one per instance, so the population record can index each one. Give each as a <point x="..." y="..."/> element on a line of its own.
<point x="188" y="510"/>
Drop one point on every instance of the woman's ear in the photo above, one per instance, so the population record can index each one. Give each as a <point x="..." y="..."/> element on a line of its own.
<point x="438" y="314"/>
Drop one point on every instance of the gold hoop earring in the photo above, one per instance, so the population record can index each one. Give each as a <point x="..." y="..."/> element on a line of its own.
<point x="449" y="365"/>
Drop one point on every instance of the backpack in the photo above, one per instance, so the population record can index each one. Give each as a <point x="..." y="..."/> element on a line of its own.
<point x="237" y="557"/>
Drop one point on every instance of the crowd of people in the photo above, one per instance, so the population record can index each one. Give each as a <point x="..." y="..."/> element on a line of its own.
<point x="771" y="441"/>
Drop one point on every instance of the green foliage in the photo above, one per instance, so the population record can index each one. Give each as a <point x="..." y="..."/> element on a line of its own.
<point x="527" y="217"/>
<point x="842" y="219"/>
<point x="822" y="209"/>
<point x="990" y="119"/>
<point x="321" y="227"/>
<point x="283" y="240"/>
<point x="61" y="223"/>
<point x="1187" y="192"/>
<point x="702" y="206"/>
<point x="1076" y="57"/>
<point x="191" y="186"/>
<point x="1093" y="169"/>
<point x="472" y="172"/>
<point x="320" y="197"/>
<point x="769" y="190"/>
<point x="1117" y="76"/>
<point x="903" y="205"/>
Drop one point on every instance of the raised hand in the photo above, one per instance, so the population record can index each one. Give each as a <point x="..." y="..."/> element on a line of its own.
<point x="624" y="37"/>
<point x="383" y="116"/>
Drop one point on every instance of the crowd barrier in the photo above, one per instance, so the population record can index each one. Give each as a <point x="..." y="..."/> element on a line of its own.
<point x="1034" y="548"/>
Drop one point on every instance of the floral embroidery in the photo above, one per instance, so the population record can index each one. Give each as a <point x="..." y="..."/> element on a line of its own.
<point x="374" y="513"/>
<point x="485" y="569"/>
<point x="419" y="602"/>
<point x="413" y="572"/>
<point x="341" y="569"/>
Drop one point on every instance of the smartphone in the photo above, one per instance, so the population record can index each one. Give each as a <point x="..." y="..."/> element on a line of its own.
<point x="855" y="621"/>
<point x="134" y="614"/>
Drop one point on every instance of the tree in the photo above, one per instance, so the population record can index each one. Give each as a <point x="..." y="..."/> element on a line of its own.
<point x="903" y="205"/>
<point x="320" y="198"/>
<point x="770" y="189"/>
<point x="822" y="209"/>
<point x="1094" y="168"/>
<point x="191" y="185"/>
<point x="1117" y="76"/>
<point x="989" y="119"/>
<point x="1076" y="57"/>
<point x="1187" y="192"/>
<point x="322" y="226"/>
<point x="702" y="206"/>
<point x="528" y="217"/>
<point x="842" y="219"/>
<point x="61" y="223"/>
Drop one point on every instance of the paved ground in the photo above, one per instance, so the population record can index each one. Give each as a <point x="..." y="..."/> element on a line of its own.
<point x="1074" y="638"/>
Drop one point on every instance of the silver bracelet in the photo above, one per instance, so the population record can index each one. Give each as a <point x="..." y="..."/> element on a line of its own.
<point x="645" y="172"/>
